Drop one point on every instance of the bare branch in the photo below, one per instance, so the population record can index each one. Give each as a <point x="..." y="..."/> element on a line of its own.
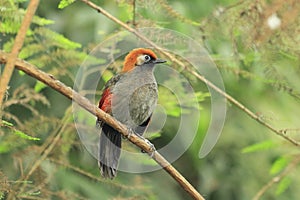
<point x="278" y="178"/>
<point x="10" y="65"/>
<point x="244" y="108"/>
<point x="93" y="177"/>
<point x="200" y="77"/>
<point x="93" y="109"/>
<point x="46" y="150"/>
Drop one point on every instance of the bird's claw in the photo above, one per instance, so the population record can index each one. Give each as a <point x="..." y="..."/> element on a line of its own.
<point x="152" y="148"/>
<point x="130" y="133"/>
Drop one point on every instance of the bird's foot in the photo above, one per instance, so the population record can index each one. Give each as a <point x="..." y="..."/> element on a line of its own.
<point x="130" y="133"/>
<point x="152" y="148"/>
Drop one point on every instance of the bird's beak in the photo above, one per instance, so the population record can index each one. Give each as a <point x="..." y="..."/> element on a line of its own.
<point x="157" y="61"/>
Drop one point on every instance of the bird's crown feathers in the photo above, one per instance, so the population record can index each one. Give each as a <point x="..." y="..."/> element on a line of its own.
<point x="137" y="57"/>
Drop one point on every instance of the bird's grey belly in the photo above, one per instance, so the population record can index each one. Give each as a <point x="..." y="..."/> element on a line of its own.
<point x="134" y="106"/>
<point x="142" y="103"/>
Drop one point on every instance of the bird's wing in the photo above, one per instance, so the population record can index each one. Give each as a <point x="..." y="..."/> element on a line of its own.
<point x="142" y="127"/>
<point x="105" y="101"/>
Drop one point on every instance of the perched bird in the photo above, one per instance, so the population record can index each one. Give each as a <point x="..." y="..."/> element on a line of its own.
<point x="130" y="97"/>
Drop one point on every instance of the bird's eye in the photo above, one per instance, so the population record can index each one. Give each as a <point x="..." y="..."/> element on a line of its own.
<point x="147" y="58"/>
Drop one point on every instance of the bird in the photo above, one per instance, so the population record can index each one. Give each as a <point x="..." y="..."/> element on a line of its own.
<point x="130" y="97"/>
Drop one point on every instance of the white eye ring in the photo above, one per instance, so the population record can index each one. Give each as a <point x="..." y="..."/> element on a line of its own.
<point x="147" y="58"/>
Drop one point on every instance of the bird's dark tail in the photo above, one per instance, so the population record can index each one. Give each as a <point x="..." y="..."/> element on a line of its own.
<point x="109" y="151"/>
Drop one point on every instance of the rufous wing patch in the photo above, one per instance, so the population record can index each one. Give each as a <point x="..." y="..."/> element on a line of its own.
<point x="105" y="101"/>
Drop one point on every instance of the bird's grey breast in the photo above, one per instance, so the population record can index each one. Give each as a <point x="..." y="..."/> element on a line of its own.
<point x="135" y="96"/>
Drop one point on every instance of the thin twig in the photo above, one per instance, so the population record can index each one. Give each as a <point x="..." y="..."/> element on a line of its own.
<point x="93" y="109"/>
<point x="244" y="108"/>
<point x="134" y="13"/>
<point x="96" y="178"/>
<point x="52" y="142"/>
<point x="277" y="179"/>
<point x="10" y="65"/>
<point x="174" y="14"/>
<point x="200" y="77"/>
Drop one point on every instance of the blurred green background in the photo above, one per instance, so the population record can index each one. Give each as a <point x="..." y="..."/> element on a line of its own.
<point x="41" y="156"/>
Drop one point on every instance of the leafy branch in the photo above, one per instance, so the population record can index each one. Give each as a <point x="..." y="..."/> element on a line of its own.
<point x="16" y="131"/>
<point x="9" y="68"/>
<point x="47" y="148"/>
<point x="175" y="14"/>
<point x="197" y="75"/>
<point x="277" y="178"/>
<point x="93" y="109"/>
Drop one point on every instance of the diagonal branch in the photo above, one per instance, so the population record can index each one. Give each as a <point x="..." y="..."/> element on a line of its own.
<point x="10" y="65"/>
<point x="200" y="77"/>
<point x="277" y="178"/>
<point x="93" y="109"/>
<point x="50" y="144"/>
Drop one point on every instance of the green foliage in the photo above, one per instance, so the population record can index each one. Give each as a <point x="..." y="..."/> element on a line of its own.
<point x="260" y="68"/>
<point x="127" y="9"/>
<point x="183" y="102"/>
<point x="11" y="18"/>
<point x="169" y="102"/>
<point x="57" y="40"/>
<point x="107" y="75"/>
<point x="153" y="136"/>
<point x="25" y="136"/>
<point x="283" y="185"/>
<point x="5" y="123"/>
<point x="261" y="146"/>
<point x="13" y="134"/>
<point x="39" y="86"/>
<point x="2" y="195"/>
<point x="278" y="165"/>
<point x="174" y="14"/>
<point x="41" y="21"/>
<point x="64" y="3"/>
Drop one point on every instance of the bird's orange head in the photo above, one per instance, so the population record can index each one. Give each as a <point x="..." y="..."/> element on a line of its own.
<point x="138" y="57"/>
